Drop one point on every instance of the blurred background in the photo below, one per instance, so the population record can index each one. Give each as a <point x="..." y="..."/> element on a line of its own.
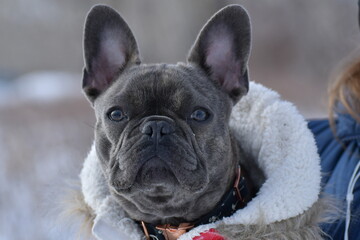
<point x="46" y="125"/>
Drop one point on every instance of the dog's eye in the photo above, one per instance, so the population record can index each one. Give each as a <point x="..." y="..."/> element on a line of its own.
<point x="116" y="115"/>
<point x="199" y="115"/>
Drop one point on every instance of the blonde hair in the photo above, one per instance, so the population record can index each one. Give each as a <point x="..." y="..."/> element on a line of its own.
<point x="346" y="90"/>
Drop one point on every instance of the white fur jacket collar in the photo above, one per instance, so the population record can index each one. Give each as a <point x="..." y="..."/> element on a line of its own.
<point x="276" y="135"/>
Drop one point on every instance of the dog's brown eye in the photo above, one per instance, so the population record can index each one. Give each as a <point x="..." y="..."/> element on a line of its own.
<point x="116" y="115"/>
<point x="200" y="115"/>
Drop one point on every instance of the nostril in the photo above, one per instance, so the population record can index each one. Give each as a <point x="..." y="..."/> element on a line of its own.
<point x="164" y="131"/>
<point x="157" y="128"/>
<point x="147" y="129"/>
<point x="166" y="128"/>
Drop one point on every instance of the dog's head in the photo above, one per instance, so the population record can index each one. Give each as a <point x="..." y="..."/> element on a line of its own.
<point x="162" y="133"/>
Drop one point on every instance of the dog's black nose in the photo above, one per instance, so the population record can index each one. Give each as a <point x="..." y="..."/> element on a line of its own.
<point x="157" y="126"/>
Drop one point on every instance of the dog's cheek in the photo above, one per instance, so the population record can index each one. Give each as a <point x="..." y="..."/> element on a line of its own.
<point x="104" y="143"/>
<point x="103" y="146"/>
<point x="109" y="130"/>
<point x="220" y="154"/>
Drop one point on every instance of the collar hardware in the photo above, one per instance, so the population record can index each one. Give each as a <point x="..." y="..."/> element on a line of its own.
<point x="236" y="185"/>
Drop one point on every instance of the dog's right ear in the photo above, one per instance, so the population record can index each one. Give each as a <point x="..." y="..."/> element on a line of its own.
<point x="109" y="47"/>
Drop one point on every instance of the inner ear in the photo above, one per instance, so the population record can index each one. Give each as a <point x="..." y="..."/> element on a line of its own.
<point x="109" y="47"/>
<point x="108" y="62"/>
<point x="222" y="49"/>
<point x="112" y="53"/>
<point x="220" y="57"/>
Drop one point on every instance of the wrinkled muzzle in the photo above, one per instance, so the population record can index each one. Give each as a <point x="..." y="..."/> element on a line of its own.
<point x="160" y="152"/>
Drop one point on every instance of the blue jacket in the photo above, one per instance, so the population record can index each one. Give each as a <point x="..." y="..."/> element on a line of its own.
<point x="339" y="162"/>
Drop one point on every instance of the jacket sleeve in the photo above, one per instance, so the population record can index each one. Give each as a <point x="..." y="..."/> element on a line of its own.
<point x="338" y="161"/>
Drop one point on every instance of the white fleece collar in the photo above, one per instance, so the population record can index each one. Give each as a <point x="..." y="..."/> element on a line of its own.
<point x="270" y="130"/>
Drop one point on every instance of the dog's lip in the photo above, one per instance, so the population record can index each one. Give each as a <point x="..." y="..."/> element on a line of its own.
<point x="155" y="194"/>
<point x="159" y="198"/>
<point x="151" y="165"/>
<point x="137" y="181"/>
<point x="152" y="158"/>
<point x="178" y="179"/>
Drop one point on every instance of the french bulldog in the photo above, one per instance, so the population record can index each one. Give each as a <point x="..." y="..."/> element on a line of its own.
<point x="162" y="130"/>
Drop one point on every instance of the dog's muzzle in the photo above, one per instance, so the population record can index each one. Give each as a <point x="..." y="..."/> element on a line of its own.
<point x="156" y="127"/>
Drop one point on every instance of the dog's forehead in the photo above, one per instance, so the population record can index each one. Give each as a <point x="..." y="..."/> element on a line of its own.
<point x="159" y="84"/>
<point x="164" y="85"/>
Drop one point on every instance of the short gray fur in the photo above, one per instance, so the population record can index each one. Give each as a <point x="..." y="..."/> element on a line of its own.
<point x="161" y="164"/>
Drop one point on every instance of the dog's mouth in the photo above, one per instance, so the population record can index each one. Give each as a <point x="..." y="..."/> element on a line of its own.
<point x="144" y="168"/>
<point x="154" y="172"/>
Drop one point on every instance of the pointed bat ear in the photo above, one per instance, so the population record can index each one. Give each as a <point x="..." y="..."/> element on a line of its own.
<point x="109" y="48"/>
<point x="222" y="49"/>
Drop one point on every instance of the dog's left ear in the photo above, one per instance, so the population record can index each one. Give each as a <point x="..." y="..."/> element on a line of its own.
<point x="109" y="47"/>
<point x="222" y="49"/>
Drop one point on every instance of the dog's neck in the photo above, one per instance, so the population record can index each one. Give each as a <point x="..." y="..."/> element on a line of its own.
<point x="236" y="198"/>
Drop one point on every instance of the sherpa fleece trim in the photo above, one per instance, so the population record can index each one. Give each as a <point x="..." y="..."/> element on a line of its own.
<point x="271" y="131"/>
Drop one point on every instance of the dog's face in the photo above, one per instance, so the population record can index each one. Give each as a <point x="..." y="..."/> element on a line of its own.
<point x="162" y="132"/>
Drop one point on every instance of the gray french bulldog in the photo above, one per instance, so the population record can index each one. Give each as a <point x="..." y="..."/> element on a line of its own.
<point x="162" y="132"/>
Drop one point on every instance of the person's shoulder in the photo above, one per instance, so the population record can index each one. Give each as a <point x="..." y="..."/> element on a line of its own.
<point x="324" y="136"/>
<point x="322" y="131"/>
<point x="319" y="125"/>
